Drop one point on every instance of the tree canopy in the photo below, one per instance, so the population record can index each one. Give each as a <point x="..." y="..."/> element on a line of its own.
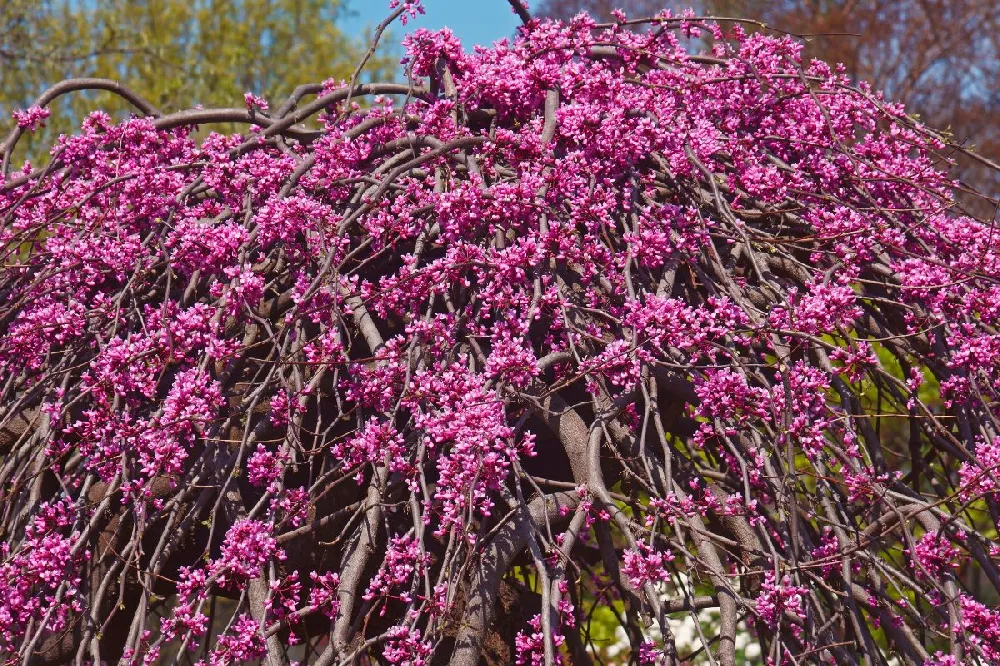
<point x="587" y="325"/>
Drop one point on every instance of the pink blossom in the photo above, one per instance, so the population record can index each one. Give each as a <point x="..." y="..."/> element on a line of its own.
<point x="776" y="599"/>
<point x="242" y="644"/>
<point x="255" y="102"/>
<point x="406" y="647"/>
<point x="646" y="565"/>
<point x="935" y="554"/>
<point x="32" y="118"/>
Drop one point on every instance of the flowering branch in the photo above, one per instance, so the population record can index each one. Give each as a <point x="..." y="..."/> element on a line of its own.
<point x="584" y="323"/>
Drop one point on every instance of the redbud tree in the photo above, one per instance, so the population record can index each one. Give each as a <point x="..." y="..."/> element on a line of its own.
<point x="590" y="324"/>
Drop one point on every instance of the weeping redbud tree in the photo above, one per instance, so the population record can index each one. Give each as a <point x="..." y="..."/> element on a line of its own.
<point x="584" y="329"/>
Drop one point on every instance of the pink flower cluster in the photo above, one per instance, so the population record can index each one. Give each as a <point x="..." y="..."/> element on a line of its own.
<point x="247" y="548"/>
<point x="778" y="598"/>
<point x="405" y="646"/>
<point x="981" y="626"/>
<point x="404" y="560"/>
<point x="530" y="648"/>
<point x="935" y="553"/>
<point x="32" y="118"/>
<point x="644" y="565"/>
<point x="40" y="581"/>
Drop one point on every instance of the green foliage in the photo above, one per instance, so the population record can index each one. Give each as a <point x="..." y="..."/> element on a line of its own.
<point x="176" y="53"/>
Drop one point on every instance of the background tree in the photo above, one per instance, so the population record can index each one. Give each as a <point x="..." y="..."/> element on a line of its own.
<point x="175" y="53"/>
<point x="590" y="323"/>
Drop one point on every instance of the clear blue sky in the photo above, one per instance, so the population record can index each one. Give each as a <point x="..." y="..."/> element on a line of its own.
<point x="474" y="21"/>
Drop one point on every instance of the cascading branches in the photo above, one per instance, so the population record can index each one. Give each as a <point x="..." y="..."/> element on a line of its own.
<point x="584" y="325"/>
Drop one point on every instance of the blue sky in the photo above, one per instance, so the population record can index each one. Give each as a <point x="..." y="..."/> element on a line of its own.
<point x="474" y="21"/>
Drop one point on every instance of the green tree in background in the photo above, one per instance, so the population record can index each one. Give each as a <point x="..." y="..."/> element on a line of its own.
<point x="175" y="53"/>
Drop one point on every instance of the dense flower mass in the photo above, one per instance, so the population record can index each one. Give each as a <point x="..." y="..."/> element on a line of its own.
<point x="589" y="326"/>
